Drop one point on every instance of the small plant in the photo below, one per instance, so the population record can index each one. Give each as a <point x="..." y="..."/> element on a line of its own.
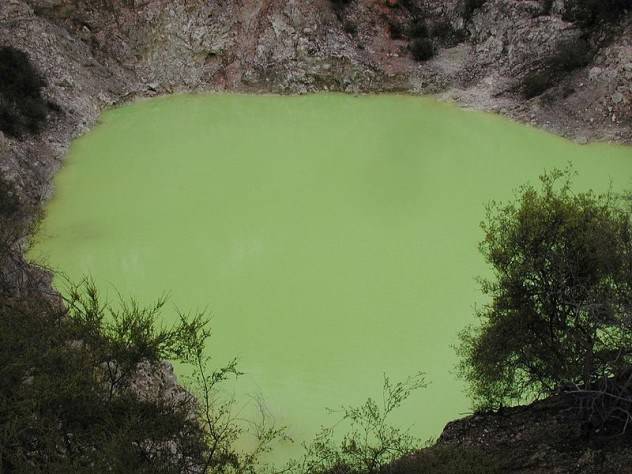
<point x="422" y="49"/>
<point x="371" y="443"/>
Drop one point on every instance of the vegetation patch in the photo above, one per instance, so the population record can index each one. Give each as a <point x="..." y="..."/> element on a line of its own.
<point x="560" y="303"/>
<point x="22" y="107"/>
<point x="589" y="13"/>
<point x="69" y="396"/>
<point x="371" y="444"/>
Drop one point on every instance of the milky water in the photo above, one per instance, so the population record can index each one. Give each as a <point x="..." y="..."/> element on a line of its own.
<point x="332" y="238"/>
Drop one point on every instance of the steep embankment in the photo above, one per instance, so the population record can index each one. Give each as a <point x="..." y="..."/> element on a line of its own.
<point x="98" y="54"/>
<point x="493" y="57"/>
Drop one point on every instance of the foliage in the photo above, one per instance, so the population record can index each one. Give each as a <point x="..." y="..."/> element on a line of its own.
<point x="588" y="13"/>
<point x="560" y="304"/>
<point x="569" y="56"/>
<point x="371" y="443"/>
<point x="422" y="49"/>
<point x="221" y="428"/>
<point x="22" y="107"/>
<point x="66" y="398"/>
<point x="71" y="397"/>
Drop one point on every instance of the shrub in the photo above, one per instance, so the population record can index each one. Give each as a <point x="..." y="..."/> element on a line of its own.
<point x="65" y="389"/>
<point x="588" y="13"/>
<point x="68" y="400"/>
<point x="371" y="444"/>
<point x="560" y="300"/>
<point x="422" y="49"/>
<point x="22" y="107"/>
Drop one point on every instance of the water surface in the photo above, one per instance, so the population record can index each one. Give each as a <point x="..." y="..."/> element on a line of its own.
<point x="332" y="238"/>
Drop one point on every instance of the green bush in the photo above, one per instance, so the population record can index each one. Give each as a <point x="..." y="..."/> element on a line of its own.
<point x="22" y="107"/>
<point x="371" y="444"/>
<point x="422" y="49"/>
<point x="68" y="401"/>
<point x="65" y="397"/>
<point x="560" y="299"/>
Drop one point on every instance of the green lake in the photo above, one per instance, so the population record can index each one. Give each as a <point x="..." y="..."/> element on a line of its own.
<point x="332" y="238"/>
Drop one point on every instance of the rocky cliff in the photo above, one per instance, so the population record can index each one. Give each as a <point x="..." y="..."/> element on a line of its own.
<point x="98" y="53"/>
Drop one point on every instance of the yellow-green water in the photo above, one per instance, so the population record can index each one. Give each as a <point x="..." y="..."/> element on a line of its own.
<point x="332" y="238"/>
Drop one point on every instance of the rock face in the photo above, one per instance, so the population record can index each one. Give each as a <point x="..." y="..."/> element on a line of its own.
<point x="96" y="54"/>
<point x="547" y="436"/>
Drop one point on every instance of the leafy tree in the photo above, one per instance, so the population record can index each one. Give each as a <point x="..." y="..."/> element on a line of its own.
<point x="560" y="300"/>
